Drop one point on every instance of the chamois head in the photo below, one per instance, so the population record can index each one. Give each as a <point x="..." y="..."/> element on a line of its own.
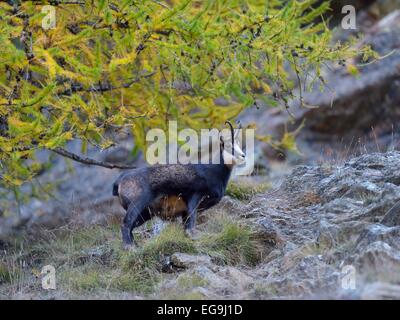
<point x="230" y="145"/>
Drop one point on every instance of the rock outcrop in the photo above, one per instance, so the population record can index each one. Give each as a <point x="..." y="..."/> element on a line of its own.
<point x="334" y="232"/>
<point x="332" y="219"/>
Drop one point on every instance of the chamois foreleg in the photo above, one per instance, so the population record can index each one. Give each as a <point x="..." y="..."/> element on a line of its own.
<point x="213" y="197"/>
<point x="192" y="205"/>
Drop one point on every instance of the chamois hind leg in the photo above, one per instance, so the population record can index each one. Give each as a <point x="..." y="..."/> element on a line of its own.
<point x="190" y="218"/>
<point x="136" y="215"/>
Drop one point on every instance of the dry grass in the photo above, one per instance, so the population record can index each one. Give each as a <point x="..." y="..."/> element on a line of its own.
<point x="90" y="261"/>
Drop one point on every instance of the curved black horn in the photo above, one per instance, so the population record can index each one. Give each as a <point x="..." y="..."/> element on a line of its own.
<point x="232" y="134"/>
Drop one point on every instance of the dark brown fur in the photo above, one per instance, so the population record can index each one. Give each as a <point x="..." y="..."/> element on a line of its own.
<point x="170" y="191"/>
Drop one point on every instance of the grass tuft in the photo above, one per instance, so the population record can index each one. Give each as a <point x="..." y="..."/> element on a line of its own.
<point x="171" y="239"/>
<point x="245" y="190"/>
<point x="231" y="242"/>
<point x="5" y="274"/>
<point x="91" y="260"/>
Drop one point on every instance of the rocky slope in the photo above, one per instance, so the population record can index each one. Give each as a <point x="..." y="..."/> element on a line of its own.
<point x="329" y="231"/>
<point x="324" y="225"/>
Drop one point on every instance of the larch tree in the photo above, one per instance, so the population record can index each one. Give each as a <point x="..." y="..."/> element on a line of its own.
<point x="136" y="64"/>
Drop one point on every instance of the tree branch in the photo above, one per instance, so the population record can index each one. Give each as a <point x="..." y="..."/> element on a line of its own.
<point x="103" y="87"/>
<point x="89" y="161"/>
<point x="67" y="154"/>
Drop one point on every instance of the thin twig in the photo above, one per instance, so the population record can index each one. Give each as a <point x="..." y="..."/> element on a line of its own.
<point x="89" y="161"/>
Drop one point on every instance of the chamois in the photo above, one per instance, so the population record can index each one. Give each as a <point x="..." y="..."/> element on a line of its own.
<point x="174" y="190"/>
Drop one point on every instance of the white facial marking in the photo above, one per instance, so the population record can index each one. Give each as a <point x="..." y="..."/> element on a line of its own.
<point x="238" y="157"/>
